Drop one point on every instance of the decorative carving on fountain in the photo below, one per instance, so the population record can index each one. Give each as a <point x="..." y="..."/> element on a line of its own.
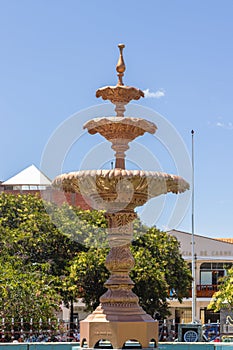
<point x="126" y="129"/>
<point x="119" y="94"/>
<point x="120" y="228"/>
<point x="119" y="191"/>
<point x="119" y="262"/>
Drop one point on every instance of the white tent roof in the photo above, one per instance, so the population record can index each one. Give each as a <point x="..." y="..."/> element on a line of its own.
<point x="29" y="176"/>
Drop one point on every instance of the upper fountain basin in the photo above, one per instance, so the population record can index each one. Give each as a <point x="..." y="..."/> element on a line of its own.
<point x="127" y="128"/>
<point x="119" y="93"/>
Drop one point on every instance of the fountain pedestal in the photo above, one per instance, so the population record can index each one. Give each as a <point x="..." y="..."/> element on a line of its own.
<point x="119" y="317"/>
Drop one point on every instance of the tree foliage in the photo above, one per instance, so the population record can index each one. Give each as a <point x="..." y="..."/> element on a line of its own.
<point x="159" y="273"/>
<point x="38" y="241"/>
<point x="223" y="298"/>
<point x="27" y="291"/>
<point x="27" y="231"/>
<point x="49" y="253"/>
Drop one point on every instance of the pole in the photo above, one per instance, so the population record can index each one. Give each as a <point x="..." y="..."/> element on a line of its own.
<point x="71" y="332"/>
<point x="193" y="241"/>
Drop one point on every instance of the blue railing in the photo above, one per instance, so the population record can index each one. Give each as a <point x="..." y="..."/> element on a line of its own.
<point x="75" y="346"/>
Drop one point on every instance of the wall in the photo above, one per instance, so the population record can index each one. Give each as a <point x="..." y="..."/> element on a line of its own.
<point x="39" y="346"/>
<point x="55" y="196"/>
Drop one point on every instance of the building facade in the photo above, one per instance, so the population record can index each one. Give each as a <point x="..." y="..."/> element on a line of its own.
<point x="32" y="181"/>
<point x="212" y="258"/>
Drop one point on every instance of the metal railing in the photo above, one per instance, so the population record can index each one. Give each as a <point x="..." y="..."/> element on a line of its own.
<point x="26" y="330"/>
<point x="168" y="331"/>
<point x="205" y="290"/>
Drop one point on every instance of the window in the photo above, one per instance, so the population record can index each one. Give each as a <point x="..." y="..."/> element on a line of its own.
<point x="211" y="273"/>
<point x="206" y="277"/>
<point x="214" y="266"/>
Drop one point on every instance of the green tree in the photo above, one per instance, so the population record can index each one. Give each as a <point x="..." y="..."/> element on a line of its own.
<point x="160" y="272"/>
<point x="27" y="291"/>
<point x="65" y="249"/>
<point x="27" y="231"/>
<point x="223" y="298"/>
<point x="88" y="274"/>
<point x="38" y="240"/>
<point x="87" y="227"/>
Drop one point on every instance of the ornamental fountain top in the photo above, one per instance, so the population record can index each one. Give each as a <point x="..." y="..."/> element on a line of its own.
<point x="120" y="130"/>
<point x="120" y="95"/>
<point x="118" y="191"/>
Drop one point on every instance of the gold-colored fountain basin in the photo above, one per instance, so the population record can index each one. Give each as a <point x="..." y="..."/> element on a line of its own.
<point x="127" y="128"/>
<point x="119" y="189"/>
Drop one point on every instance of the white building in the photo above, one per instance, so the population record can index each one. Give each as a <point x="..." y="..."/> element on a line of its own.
<point x="212" y="257"/>
<point x="29" y="179"/>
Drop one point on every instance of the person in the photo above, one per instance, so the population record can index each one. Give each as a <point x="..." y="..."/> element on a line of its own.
<point x="77" y="336"/>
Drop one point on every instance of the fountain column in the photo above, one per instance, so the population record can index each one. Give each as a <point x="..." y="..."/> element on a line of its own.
<point x="119" y="317"/>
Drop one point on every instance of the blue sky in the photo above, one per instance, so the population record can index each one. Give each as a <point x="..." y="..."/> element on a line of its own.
<point x="55" y="54"/>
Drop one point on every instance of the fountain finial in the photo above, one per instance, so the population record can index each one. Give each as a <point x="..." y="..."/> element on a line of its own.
<point x="120" y="94"/>
<point x="120" y="67"/>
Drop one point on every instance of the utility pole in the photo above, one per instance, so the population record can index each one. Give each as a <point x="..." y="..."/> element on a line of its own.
<point x="193" y="241"/>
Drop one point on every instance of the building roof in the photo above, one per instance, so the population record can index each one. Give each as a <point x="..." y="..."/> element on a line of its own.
<point x="205" y="248"/>
<point x="225" y="240"/>
<point x="228" y="240"/>
<point x="29" y="176"/>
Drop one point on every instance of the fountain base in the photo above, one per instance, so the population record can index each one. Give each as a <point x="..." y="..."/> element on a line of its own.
<point x="119" y="326"/>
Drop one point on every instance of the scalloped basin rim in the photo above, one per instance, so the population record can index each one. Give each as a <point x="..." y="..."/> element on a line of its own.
<point x="139" y="123"/>
<point x="118" y="172"/>
<point x="115" y="175"/>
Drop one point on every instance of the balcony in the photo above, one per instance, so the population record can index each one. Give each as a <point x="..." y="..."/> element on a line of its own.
<point x="204" y="290"/>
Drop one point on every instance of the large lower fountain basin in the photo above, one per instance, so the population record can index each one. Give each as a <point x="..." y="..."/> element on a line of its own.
<point x="120" y="189"/>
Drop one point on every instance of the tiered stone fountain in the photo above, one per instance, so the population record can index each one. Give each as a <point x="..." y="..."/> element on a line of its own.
<point x="119" y="317"/>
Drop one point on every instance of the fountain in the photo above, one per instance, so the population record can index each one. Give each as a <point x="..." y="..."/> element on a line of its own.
<point x="118" y="191"/>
